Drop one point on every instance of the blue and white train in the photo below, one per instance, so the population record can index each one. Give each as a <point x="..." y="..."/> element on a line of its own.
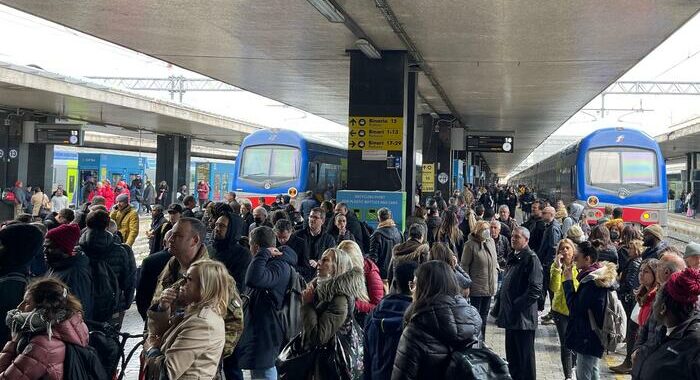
<point x="611" y="166"/>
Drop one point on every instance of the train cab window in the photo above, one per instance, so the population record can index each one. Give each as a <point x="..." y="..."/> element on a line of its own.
<point x="611" y="168"/>
<point x="270" y="161"/>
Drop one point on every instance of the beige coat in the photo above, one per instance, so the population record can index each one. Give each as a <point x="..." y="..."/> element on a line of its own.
<point x="480" y="262"/>
<point x="38" y="200"/>
<point x="192" y="347"/>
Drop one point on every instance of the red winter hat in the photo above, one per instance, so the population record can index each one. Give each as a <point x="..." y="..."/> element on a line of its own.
<point x="65" y="237"/>
<point x="684" y="286"/>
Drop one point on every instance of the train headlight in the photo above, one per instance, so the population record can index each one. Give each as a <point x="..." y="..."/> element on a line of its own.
<point x="650" y="216"/>
<point x="592" y="201"/>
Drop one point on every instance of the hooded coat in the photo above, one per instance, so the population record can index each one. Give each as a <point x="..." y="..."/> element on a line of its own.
<point x="102" y="245"/>
<point x="43" y="357"/>
<point x="232" y="254"/>
<point x="262" y="336"/>
<point x="592" y="293"/>
<point x="433" y="331"/>
<point x="382" y="333"/>
<point x="381" y="244"/>
<point x="411" y="250"/>
<point x="75" y="272"/>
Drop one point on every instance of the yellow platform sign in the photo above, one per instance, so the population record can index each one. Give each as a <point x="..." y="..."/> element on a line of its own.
<point x="375" y="133"/>
<point x="428" y="178"/>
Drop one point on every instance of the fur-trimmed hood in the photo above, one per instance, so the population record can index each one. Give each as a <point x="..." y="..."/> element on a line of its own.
<point x="350" y="283"/>
<point x="418" y="253"/>
<point x="604" y="277"/>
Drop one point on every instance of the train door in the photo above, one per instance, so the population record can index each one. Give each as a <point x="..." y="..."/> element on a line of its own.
<point x="71" y="182"/>
<point x="85" y="174"/>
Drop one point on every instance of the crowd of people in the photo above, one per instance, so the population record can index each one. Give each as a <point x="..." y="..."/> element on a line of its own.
<point x="305" y="289"/>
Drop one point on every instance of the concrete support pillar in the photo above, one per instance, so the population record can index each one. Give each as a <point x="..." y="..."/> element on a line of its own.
<point x="36" y="160"/>
<point x="173" y="155"/>
<point x="437" y="149"/>
<point x="379" y="89"/>
<point x="410" y="146"/>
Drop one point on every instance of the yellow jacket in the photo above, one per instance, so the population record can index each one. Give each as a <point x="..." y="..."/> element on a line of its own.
<point x="556" y="278"/>
<point x="127" y="223"/>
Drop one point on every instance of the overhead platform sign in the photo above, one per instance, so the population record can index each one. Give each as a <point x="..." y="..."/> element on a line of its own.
<point x="69" y="134"/>
<point x="493" y="144"/>
<point x="375" y="133"/>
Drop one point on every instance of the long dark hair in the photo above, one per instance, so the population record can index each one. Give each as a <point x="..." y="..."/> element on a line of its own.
<point x="433" y="279"/>
<point x="52" y="295"/>
<point x="600" y="232"/>
<point x="449" y="228"/>
<point x="628" y="234"/>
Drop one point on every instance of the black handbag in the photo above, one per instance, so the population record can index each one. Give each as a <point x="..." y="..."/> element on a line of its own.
<point x="342" y="357"/>
<point x="294" y="362"/>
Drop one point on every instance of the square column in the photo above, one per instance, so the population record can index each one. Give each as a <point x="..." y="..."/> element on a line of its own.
<point x="173" y="155"/>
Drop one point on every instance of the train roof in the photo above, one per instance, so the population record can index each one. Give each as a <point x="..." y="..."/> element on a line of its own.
<point x="287" y="137"/>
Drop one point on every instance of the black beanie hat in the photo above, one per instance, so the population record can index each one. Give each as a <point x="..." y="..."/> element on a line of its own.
<point x="20" y="243"/>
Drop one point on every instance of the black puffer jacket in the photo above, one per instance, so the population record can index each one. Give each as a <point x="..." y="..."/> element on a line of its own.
<point x="433" y="331"/>
<point x="381" y="244"/>
<point x="676" y="357"/>
<point x="75" y="272"/>
<point x="231" y="253"/>
<point x="102" y="245"/>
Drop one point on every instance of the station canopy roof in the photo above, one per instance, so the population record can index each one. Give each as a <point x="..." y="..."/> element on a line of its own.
<point x="505" y="65"/>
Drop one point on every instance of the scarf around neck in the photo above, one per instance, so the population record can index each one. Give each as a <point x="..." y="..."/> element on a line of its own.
<point x="33" y="321"/>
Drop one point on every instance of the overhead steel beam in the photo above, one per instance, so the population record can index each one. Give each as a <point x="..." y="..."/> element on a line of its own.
<point x="173" y="84"/>
<point x="653" y="88"/>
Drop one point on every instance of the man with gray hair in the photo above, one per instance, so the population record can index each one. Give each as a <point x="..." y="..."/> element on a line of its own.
<point x="503" y="248"/>
<point x="516" y="305"/>
<point x="382" y="242"/>
<point x="259" y="219"/>
<point x="508" y="223"/>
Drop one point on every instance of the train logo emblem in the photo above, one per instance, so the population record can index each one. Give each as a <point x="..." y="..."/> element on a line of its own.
<point x="620" y="139"/>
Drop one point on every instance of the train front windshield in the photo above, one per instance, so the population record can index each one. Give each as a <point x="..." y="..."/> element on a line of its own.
<point x="632" y="168"/>
<point x="263" y="162"/>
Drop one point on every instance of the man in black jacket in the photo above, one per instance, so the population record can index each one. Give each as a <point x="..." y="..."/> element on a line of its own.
<point x="316" y="239"/>
<point x="225" y="248"/>
<point x="383" y="240"/>
<point x="535" y="225"/>
<point x="546" y="253"/>
<point x="516" y="306"/>
<point x="151" y="267"/>
<point x="267" y="279"/>
<point x="283" y="231"/>
<point x="100" y="245"/>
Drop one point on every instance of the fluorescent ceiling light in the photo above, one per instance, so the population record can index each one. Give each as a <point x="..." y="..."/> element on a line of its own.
<point x="368" y="49"/>
<point x="328" y="10"/>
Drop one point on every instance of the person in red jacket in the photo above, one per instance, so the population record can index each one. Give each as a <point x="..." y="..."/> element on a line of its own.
<point x="373" y="281"/>
<point x="47" y="319"/>
<point x="107" y="193"/>
<point x="202" y="192"/>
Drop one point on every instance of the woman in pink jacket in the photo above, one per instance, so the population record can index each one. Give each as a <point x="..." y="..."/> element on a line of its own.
<point x="374" y="287"/>
<point x="107" y="193"/>
<point x="47" y="319"/>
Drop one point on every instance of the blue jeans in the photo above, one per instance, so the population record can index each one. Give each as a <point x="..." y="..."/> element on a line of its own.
<point x="587" y="367"/>
<point x="264" y="374"/>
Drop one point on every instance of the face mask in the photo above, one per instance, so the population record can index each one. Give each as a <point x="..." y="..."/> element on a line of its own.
<point x="258" y="220"/>
<point x="485" y="234"/>
<point x="614" y="235"/>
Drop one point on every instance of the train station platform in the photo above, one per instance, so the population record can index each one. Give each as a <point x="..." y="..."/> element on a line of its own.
<point x="682" y="228"/>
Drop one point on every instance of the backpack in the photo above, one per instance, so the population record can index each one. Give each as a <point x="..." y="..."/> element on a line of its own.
<point x="9" y="196"/>
<point x="476" y="363"/>
<point x="289" y="315"/>
<point x="614" y="326"/>
<point x="83" y="363"/>
<point x="105" y="290"/>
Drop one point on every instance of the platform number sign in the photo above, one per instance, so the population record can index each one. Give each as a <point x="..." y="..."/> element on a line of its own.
<point x="13" y="153"/>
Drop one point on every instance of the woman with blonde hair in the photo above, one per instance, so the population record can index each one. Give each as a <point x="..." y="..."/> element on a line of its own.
<point x="566" y="250"/>
<point x="192" y="347"/>
<point x="373" y="291"/>
<point x="327" y="310"/>
<point x="480" y="262"/>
